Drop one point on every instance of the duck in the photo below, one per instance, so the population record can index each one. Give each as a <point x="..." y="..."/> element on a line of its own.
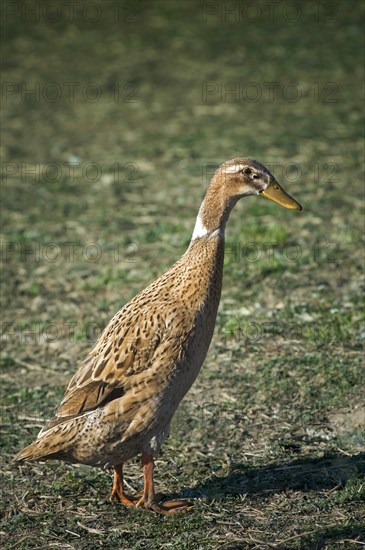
<point x="120" y="402"/>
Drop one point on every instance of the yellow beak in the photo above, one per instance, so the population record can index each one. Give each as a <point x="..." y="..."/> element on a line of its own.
<point x="276" y="193"/>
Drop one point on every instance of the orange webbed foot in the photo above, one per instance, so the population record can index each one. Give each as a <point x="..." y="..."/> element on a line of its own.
<point x="123" y="498"/>
<point x="118" y="489"/>
<point x="148" y="500"/>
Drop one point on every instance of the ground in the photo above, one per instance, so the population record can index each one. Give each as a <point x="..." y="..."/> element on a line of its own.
<point x="114" y="117"/>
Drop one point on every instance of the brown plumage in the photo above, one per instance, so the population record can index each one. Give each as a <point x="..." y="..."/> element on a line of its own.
<point x="122" y="398"/>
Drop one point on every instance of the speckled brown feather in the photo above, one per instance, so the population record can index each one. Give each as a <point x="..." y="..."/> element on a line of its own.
<point x="122" y="398"/>
<point x="156" y="343"/>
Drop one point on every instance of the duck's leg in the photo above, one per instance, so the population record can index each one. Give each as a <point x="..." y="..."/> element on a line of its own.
<point x="148" y="499"/>
<point x="118" y="489"/>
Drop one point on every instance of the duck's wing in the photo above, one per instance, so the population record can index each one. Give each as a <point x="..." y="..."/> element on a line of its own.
<point x="124" y="357"/>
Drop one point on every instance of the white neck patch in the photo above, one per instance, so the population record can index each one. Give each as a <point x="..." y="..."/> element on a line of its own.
<point x="201" y="231"/>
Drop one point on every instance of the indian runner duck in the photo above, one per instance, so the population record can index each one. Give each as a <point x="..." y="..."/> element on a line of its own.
<point x="120" y="402"/>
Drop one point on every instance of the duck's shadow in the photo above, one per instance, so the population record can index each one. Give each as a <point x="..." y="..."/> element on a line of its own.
<point x="312" y="474"/>
<point x="303" y="475"/>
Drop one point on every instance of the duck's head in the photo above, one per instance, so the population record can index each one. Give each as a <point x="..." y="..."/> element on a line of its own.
<point x="246" y="176"/>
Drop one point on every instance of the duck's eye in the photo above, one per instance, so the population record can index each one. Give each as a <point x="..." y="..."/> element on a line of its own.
<point x="247" y="171"/>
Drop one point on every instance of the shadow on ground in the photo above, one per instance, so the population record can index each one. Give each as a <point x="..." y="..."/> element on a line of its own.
<point x="328" y="473"/>
<point x="325" y="473"/>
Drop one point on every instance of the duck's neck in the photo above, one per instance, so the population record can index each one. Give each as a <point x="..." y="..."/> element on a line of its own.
<point x="213" y="213"/>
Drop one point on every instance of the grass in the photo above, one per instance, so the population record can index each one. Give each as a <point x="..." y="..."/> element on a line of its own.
<point x="270" y="441"/>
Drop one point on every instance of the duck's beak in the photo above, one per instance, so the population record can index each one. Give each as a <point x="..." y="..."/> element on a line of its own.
<point x="276" y="193"/>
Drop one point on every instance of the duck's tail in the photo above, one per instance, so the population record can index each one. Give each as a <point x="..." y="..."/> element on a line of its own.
<point x="54" y="441"/>
<point x="34" y="451"/>
<point x="46" y="447"/>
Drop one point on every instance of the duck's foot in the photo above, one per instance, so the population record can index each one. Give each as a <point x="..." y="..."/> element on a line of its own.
<point x="123" y="498"/>
<point x="169" y="508"/>
<point x="149" y="500"/>
<point x="118" y="489"/>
